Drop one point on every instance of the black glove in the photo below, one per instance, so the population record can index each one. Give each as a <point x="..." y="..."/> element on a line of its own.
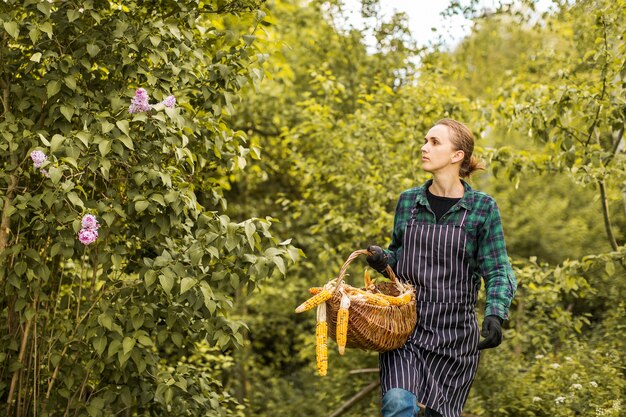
<point x="492" y="332"/>
<point x="378" y="259"/>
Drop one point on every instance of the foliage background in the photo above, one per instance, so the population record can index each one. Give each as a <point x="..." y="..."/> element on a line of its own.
<point x="291" y="141"/>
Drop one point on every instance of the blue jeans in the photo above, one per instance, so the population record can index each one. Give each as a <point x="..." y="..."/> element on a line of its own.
<point x="398" y="402"/>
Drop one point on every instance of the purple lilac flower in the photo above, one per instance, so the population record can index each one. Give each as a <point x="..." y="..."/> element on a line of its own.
<point x="89" y="221"/>
<point x="170" y="101"/>
<point x="140" y="103"/>
<point x="87" y="236"/>
<point x="38" y="158"/>
<point x="45" y="173"/>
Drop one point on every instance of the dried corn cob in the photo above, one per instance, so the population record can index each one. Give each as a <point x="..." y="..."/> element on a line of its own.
<point x="376" y="300"/>
<point x="399" y="300"/>
<point x="342" y="323"/>
<point x="367" y="279"/>
<point x="321" y="340"/>
<point x="371" y="298"/>
<point x="315" y="290"/>
<point x="317" y="299"/>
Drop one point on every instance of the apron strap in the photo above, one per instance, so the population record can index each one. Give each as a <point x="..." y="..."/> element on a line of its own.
<point x="464" y="217"/>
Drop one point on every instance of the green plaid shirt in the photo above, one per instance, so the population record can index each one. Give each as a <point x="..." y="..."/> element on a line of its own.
<point x="485" y="240"/>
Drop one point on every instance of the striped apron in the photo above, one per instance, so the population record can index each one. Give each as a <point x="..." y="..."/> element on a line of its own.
<point x="439" y="360"/>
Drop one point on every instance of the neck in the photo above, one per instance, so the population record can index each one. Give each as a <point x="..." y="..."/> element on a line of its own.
<point x="447" y="186"/>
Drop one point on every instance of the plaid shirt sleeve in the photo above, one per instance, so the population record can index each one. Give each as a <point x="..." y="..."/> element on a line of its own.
<point x="402" y="215"/>
<point x="494" y="265"/>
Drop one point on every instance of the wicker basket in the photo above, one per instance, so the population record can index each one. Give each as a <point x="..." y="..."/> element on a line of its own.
<point x="372" y="327"/>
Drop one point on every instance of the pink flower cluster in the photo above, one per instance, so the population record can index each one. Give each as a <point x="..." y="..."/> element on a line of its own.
<point x="169" y="101"/>
<point x="140" y="103"/>
<point x="89" y="233"/>
<point x="38" y="158"/>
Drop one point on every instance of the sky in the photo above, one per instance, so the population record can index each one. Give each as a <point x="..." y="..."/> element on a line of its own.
<point x="426" y="14"/>
<point x="423" y="15"/>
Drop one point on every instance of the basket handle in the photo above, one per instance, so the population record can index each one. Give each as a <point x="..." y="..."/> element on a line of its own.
<point x="352" y="257"/>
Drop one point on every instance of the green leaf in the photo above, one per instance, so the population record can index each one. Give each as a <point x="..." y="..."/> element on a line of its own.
<point x="44" y="140"/>
<point x="214" y="252"/>
<point x="53" y="87"/>
<point x="127" y="141"/>
<point x="167" y="282"/>
<point x="234" y="281"/>
<point x="114" y="347"/>
<point x="610" y="268"/>
<point x="249" y="39"/>
<point x="128" y="344"/>
<point x="156" y="40"/>
<point x="20" y="268"/>
<point x="123" y="126"/>
<point x="70" y="81"/>
<point x="84" y="137"/>
<point x="109" y="218"/>
<point x="99" y="344"/>
<point x="68" y="112"/>
<point x="186" y="284"/>
<point x="122" y="358"/>
<point x="223" y="340"/>
<point x="34" y="35"/>
<point x="250" y="229"/>
<point x="107" y="126"/>
<point x="56" y="249"/>
<point x="141" y="205"/>
<point x="105" y="166"/>
<point x="104" y="147"/>
<point x="150" y="278"/>
<point x="56" y="142"/>
<point x="137" y="321"/>
<point x="12" y="29"/>
<point x="196" y="256"/>
<point x="71" y="161"/>
<point x="280" y="264"/>
<point x="116" y="259"/>
<point x="158" y="198"/>
<point x="55" y="174"/>
<point x="182" y="384"/>
<point x="92" y="49"/>
<point x="177" y="338"/>
<point x="145" y="340"/>
<point x="75" y="199"/>
<point x="105" y="321"/>
<point x="95" y="407"/>
<point x="47" y="28"/>
<point x="72" y="15"/>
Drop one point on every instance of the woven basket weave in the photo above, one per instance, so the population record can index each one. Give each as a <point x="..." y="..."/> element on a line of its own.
<point x="372" y="327"/>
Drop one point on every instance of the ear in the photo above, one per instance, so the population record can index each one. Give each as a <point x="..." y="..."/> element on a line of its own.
<point x="458" y="156"/>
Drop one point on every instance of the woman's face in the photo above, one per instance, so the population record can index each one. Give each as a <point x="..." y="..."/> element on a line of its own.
<point x="438" y="152"/>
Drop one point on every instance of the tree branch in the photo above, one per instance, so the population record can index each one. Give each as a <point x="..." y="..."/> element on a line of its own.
<point x="5" y="222"/>
<point x="605" y="214"/>
<point x="604" y="76"/>
<point x="355" y="399"/>
<point x="616" y="146"/>
<point x="20" y="359"/>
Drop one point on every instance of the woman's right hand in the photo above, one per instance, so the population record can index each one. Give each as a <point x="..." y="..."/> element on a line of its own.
<point x="377" y="259"/>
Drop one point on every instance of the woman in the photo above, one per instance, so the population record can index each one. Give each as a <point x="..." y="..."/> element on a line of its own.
<point x="445" y="237"/>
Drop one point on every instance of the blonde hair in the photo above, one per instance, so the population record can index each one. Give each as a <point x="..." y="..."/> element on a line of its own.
<point x="463" y="140"/>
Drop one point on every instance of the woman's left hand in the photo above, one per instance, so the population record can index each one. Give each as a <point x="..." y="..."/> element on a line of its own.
<point x="492" y="332"/>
